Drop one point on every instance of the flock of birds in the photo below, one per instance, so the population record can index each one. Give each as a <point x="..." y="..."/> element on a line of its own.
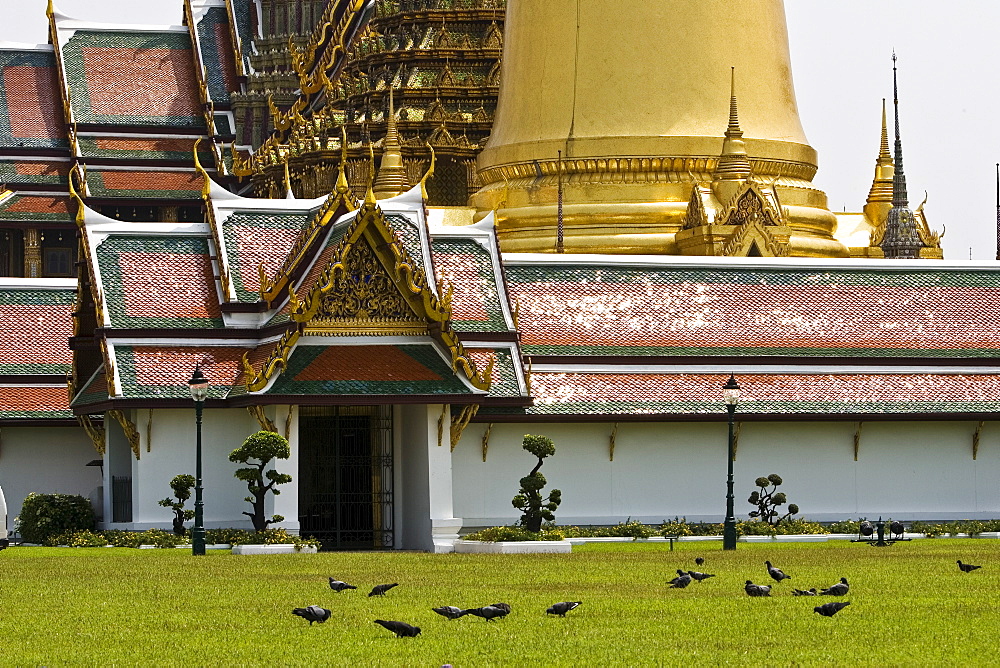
<point x="839" y="589"/>
<point x="315" y="613"/>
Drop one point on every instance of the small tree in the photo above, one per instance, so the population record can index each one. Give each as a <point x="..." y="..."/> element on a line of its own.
<point x="529" y="500"/>
<point x="767" y="501"/>
<point x="262" y="447"/>
<point x="181" y="484"/>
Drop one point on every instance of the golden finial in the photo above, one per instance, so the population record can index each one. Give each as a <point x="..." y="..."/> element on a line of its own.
<point x="428" y="174"/>
<point x="343" y="186"/>
<point x="391" y="179"/>
<point x="75" y="196"/>
<point x="50" y="10"/>
<point x="370" y="194"/>
<point x="288" y="183"/>
<point x="206" y="186"/>
<point x="733" y="165"/>
<point x="883" y="151"/>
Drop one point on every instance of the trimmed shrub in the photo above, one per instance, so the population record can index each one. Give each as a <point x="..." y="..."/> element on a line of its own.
<point x="44" y="516"/>
<point x="529" y="499"/>
<point x="512" y="533"/>
<point x="122" y="538"/>
<point x="84" y="538"/>
<point x="161" y="538"/>
<point x="226" y="536"/>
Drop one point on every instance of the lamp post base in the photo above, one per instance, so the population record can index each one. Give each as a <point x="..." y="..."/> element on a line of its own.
<point x="729" y="535"/>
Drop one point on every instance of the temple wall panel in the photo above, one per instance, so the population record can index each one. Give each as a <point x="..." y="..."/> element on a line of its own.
<point x="46" y="460"/>
<point x="907" y="470"/>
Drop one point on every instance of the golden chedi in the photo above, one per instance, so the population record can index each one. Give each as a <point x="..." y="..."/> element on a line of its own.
<point x="661" y="152"/>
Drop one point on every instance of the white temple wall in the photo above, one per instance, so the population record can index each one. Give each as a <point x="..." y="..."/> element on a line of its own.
<point x="907" y="470"/>
<point x="170" y="450"/>
<point x="46" y="460"/>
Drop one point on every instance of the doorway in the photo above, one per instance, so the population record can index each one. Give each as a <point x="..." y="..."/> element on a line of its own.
<point x="346" y="476"/>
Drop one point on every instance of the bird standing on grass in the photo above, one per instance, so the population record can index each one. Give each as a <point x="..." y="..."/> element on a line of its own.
<point x="698" y="561"/>
<point x="449" y="611"/>
<point x="804" y="592"/>
<point x="339" y="586"/>
<point x="312" y="613"/>
<point x="401" y="629"/>
<point x="380" y="590"/>
<point x="831" y="608"/>
<point x="967" y="568"/>
<point x="839" y="589"/>
<point x="682" y="580"/>
<point x="756" y="590"/>
<point x="700" y="576"/>
<point x="776" y="573"/>
<point x="562" y="608"/>
<point x="488" y="612"/>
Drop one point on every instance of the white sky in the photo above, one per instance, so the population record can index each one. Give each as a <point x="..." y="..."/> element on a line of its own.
<point x="949" y="62"/>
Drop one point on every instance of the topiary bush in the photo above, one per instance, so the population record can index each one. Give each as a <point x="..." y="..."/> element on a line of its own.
<point x="768" y="500"/>
<point x="181" y="484"/>
<point x="44" y="516"/>
<point x="529" y="500"/>
<point x="258" y="450"/>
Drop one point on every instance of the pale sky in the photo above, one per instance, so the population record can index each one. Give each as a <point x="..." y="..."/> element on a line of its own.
<point x="949" y="66"/>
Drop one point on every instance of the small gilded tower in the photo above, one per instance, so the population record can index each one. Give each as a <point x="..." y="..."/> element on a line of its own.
<point x="641" y="140"/>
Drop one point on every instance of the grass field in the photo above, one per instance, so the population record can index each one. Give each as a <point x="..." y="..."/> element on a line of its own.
<point x="910" y="605"/>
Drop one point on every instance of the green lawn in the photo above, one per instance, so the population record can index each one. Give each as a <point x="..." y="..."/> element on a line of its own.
<point x="910" y="605"/>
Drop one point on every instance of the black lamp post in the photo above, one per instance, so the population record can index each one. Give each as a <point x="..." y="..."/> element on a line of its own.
<point x="199" y="390"/>
<point x="731" y="392"/>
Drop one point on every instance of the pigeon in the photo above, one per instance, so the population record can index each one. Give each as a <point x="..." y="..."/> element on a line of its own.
<point x="804" y="592"/>
<point x="502" y="606"/>
<point x="401" y="629"/>
<point x="698" y="561"/>
<point x="562" y="608"/>
<point x="339" y="586"/>
<point x="831" y="608"/>
<point x="449" y="611"/>
<point x="488" y="612"/>
<point x="757" y="590"/>
<point x="700" y="576"/>
<point x="313" y="613"/>
<point x="682" y="580"/>
<point x="967" y="568"/>
<point x="776" y="573"/>
<point x="380" y="590"/>
<point x="839" y="589"/>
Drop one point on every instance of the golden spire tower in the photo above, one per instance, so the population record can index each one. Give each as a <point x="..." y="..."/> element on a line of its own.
<point x="391" y="179"/>
<point x="633" y="93"/>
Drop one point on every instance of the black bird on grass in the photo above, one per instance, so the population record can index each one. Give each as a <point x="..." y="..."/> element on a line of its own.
<point x="502" y="606"/>
<point x="698" y="561"/>
<point x="700" y="576"/>
<point x="831" y="608"/>
<point x="756" y="590"/>
<point x="682" y="580"/>
<point x="449" y="611"/>
<point x="312" y="613"/>
<point x="562" y="608"/>
<point x="401" y="629"/>
<point x="804" y="592"/>
<point x="967" y="568"/>
<point x="488" y="612"/>
<point x="776" y="573"/>
<point x="380" y="590"/>
<point x="839" y="589"/>
<point x="339" y="586"/>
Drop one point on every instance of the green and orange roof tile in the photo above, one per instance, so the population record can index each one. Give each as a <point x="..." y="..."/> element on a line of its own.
<point x="144" y="184"/>
<point x="19" y="402"/>
<point x="31" y="113"/>
<point x="35" y="327"/>
<point x="469" y="268"/>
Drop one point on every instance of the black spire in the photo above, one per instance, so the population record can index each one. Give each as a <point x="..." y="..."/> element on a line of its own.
<point x="901" y="238"/>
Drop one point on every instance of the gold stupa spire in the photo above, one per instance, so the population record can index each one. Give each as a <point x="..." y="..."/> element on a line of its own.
<point x="636" y="136"/>
<point x="391" y="179"/>
<point x="881" y="190"/>
<point x="734" y="165"/>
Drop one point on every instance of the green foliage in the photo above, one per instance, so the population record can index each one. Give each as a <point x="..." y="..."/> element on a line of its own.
<point x="679" y="526"/>
<point x="767" y="501"/>
<point x="85" y="538"/>
<point x="258" y="450"/>
<point x="226" y="536"/>
<point x="534" y="508"/>
<point x="513" y="533"/>
<point x="122" y="538"/>
<point x="789" y="527"/>
<point x="181" y="484"/>
<point x="845" y="526"/>
<point x="273" y="537"/>
<point x="161" y="538"/>
<point x="47" y="515"/>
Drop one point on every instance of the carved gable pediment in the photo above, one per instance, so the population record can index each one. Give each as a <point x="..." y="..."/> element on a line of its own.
<point x="754" y="239"/>
<point x="696" y="215"/>
<point x="750" y="205"/>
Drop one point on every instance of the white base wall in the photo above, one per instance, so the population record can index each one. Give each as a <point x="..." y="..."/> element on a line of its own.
<point x="906" y="470"/>
<point x="47" y="460"/>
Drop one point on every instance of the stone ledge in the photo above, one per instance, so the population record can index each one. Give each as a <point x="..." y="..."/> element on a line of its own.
<point x="273" y="549"/>
<point x="514" y="547"/>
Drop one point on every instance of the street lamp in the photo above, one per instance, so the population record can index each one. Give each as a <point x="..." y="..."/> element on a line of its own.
<point x="199" y="390"/>
<point x="731" y="392"/>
